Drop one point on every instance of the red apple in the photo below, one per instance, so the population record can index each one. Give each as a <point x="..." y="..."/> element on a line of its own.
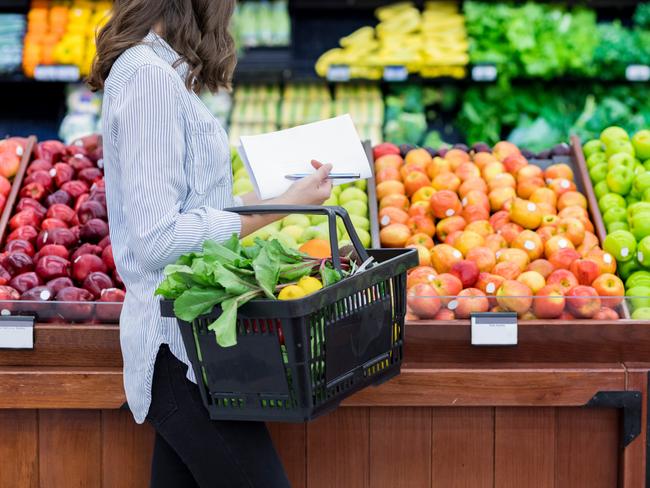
<point x="586" y="271"/>
<point x="471" y="301"/>
<point x="549" y="302"/>
<point x="562" y="278"/>
<point x="583" y="301"/>
<point x="610" y="288"/>
<point x="423" y="301"/>
<point x="466" y="271"/>
<point x="606" y="315"/>
<point x="447" y="286"/>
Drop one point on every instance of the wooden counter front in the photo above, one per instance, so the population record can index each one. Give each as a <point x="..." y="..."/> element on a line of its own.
<point x="457" y="416"/>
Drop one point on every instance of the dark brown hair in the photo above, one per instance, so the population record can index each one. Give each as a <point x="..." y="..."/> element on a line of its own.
<point x="196" y="29"/>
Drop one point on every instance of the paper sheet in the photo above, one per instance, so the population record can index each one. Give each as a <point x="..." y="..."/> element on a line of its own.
<point x="270" y="157"/>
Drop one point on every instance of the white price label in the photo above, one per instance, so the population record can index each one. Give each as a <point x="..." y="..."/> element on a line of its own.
<point x="338" y="72"/>
<point x="66" y="73"/>
<point x="395" y="73"/>
<point x="494" y="329"/>
<point x="484" y="72"/>
<point x="637" y="72"/>
<point x="16" y="332"/>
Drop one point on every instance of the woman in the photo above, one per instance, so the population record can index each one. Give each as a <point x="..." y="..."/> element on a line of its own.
<point x="168" y="179"/>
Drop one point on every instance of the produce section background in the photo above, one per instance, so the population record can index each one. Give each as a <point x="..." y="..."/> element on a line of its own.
<point x="543" y="90"/>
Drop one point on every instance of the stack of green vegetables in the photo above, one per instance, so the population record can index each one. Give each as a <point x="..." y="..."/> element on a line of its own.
<point x="535" y="40"/>
<point x="536" y="116"/>
<point x="229" y="275"/>
<point x="532" y="40"/>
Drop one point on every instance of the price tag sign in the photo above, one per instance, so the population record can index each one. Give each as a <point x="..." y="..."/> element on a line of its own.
<point x="65" y="73"/>
<point x="16" y="332"/>
<point x="338" y="73"/>
<point x="494" y="329"/>
<point x="484" y="73"/>
<point x="637" y="72"/>
<point x="395" y="73"/>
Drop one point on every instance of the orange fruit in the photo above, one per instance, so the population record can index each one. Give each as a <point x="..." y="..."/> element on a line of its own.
<point x="317" y="248"/>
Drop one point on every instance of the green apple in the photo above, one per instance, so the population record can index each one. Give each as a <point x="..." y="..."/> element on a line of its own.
<point x="350" y="194"/>
<point x="249" y="240"/>
<point x="332" y="201"/>
<point x="617" y="226"/>
<point x="320" y="231"/>
<point x="611" y="200"/>
<point x="241" y="174"/>
<point x="621" y="244"/>
<point x="266" y="232"/>
<point x="364" y="237"/>
<point x="642" y="313"/>
<point x="356" y="207"/>
<point x="596" y="158"/>
<point x="317" y="219"/>
<point x="300" y="220"/>
<point x="336" y="190"/>
<point x="631" y="199"/>
<point x="640" y="225"/>
<point x="612" y="134"/>
<point x="241" y="187"/>
<point x="619" y="147"/>
<point x="592" y="147"/>
<point x="345" y="186"/>
<point x="621" y="159"/>
<point x="620" y="179"/>
<point x="646" y="196"/>
<point x="641" y="143"/>
<point x="643" y="251"/>
<point x="360" y="222"/>
<point x="287" y="241"/>
<point x="615" y="214"/>
<point x="639" y="169"/>
<point x="638" y="296"/>
<point x="626" y="269"/>
<point x="646" y="164"/>
<point x="361" y="184"/>
<point x="294" y="231"/>
<point x="638" y="278"/>
<point x="598" y="172"/>
<point x="638" y="208"/>
<point x="601" y="189"/>
<point x="642" y="182"/>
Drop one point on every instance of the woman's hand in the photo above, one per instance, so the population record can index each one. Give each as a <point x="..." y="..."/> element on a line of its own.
<point x="312" y="190"/>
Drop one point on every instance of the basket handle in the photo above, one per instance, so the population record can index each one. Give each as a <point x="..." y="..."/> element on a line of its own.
<point x="331" y="212"/>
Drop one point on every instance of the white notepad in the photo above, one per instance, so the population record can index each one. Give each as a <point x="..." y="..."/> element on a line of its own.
<point x="270" y="157"/>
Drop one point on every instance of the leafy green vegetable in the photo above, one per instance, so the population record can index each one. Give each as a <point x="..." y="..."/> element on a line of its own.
<point x="230" y="275"/>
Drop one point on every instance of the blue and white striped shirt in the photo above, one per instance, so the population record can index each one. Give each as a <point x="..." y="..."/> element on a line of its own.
<point x="168" y="174"/>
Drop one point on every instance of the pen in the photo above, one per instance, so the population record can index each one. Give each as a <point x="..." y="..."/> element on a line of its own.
<point x="332" y="176"/>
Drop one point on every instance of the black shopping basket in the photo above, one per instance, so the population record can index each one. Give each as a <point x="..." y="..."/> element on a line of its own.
<point x="298" y="359"/>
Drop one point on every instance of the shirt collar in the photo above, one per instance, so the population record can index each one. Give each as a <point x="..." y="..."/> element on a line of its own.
<point x="166" y="53"/>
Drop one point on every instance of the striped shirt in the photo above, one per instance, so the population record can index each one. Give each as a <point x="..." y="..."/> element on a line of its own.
<point x="168" y="174"/>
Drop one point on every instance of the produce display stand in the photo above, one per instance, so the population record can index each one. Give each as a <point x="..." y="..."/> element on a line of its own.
<point x="458" y="415"/>
<point x="566" y="407"/>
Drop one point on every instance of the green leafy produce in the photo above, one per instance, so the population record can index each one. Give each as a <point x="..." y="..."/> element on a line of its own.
<point x="230" y="275"/>
<point x="533" y="39"/>
<point x="642" y="15"/>
<point x="537" y="116"/>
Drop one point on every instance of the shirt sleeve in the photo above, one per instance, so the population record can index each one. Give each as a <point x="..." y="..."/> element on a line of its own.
<point x="151" y="147"/>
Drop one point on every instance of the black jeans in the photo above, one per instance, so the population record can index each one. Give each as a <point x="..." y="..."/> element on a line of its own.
<point x="192" y="451"/>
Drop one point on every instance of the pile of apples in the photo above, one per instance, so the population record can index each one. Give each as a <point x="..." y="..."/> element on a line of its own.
<point x="58" y="247"/>
<point x="619" y="167"/>
<point x="11" y="154"/>
<point x="493" y="233"/>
